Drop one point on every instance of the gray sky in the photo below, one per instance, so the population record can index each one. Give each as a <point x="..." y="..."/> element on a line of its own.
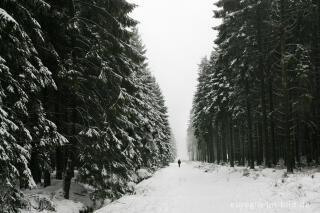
<point x="177" y="34"/>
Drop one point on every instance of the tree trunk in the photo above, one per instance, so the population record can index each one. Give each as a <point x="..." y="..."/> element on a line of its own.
<point x="68" y="177"/>
<point x="297" y="144"/>
<point x="261" y="71"/>
<point x="272" y="126"/>
<point x="243" y="140"/>
<point x="286" y="101"/>
<point x="34" y="166"/>
<point x="237" y="140"/>
<point x="259" y="148"/>
<point x="218" y="144"/>
<point x="59" y="162"/>
<point x="231" y="150"/>
<point x="316" y="77"/>
<point x="212" y="141"/>
<point x="223" y="142"/>
<point x="250" y="145"/>
<point x="47" y="178"/>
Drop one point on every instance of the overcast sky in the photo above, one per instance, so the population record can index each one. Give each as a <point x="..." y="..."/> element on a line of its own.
<point x="177" y="34"/>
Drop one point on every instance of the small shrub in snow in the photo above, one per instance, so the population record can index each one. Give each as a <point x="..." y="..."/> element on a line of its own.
<point x="303" y="161"/>
<point x="134" y="178"/>
<point x="256" y="176"/>
<point x="87" y="210"/>
<point x="281" y="163"/>
<point x="285" y="175"/>
<point x="45" y="203"/>
<point x="131" y="186"/>
<point x="246" y="172"/>
<point x="143" y="174"/>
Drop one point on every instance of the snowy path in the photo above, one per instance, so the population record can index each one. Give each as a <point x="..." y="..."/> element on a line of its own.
<point x="221" y="189"/>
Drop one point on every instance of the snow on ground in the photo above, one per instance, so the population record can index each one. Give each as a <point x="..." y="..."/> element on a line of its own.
<point x="51" y="197"/>
<point x="206" y="188"/>
<point x="79" y="198"/>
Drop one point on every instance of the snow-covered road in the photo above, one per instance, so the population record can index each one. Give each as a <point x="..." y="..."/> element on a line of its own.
<point x="199" y="188"/>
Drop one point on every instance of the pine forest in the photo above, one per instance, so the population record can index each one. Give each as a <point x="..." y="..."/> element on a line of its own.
<point x="257" y="100"/>
<point x="76" y="96"/>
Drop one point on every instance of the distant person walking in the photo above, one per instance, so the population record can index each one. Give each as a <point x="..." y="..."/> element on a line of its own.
<point x="179" y="162"/>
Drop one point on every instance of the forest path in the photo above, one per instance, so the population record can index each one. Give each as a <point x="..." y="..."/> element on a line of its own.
<point x="196" y="189"/>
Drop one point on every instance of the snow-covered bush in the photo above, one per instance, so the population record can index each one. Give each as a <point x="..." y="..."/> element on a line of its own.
<point x="143" y="174"/>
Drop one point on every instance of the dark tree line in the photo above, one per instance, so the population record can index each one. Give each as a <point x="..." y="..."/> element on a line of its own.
<point x="76" y="94"/>
<point x="257" y="100"/>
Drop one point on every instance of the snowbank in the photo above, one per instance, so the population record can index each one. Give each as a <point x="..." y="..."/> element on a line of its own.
<point x="143" y="174"/>
<point x="79" y="198"/>
<point x="293" y="191"/>
<point x="51" y="198"/>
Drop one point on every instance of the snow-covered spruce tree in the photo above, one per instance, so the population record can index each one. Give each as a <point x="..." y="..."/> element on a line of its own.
<point x="191" y="141"/>
<point x="113" y="107"/>
<point x="153" y="112"/>
<point x="26" y="133"/>
<point x="131" y="139"/>
<point x="106" y="139"/>
<point x="13" y="154"/>
<point x="163" y="135"/>
<point x="201" y="119"/>
<point x="61" y="54"/>
<point x="88" y="53"/>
